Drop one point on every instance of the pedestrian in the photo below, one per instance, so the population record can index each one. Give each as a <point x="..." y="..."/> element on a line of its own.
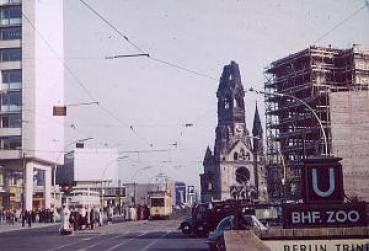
<point x="100" y="217"/>
<point x="83" y="218"/>
<point x="93" y="218"/>
<point x="23" y="217"/>
<point x="65" y="228"/>
<point x="110" y="214"/>
<point x="29" y="217"/>
<point x="88" y="218"/>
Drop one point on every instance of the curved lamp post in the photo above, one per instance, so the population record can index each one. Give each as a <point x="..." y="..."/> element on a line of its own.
<point x="305" y="104"/>
<point x="103" y="173"/>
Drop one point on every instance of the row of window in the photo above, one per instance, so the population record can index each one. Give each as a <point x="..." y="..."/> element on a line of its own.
<point x="11" y="12"/>
<point x="11" y="98"/>
<point x="11" y="79"/>
<point x="11" y="143"/>
<point x="11" y="15"/>
<point x="10" y="54"/>
<point x="11" y="120"/>
<point x="10" y="33"/>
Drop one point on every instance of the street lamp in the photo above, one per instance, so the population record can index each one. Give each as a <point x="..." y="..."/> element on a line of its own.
<point x="103" y="173"/>
<point x="302" y="102"/>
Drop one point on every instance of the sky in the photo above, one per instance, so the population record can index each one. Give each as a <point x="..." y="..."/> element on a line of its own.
<point x="144" y="105"/>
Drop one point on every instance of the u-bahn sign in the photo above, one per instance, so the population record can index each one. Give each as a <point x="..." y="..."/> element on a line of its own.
<point x="322" y="181"/>
<point x="323" y="196"/>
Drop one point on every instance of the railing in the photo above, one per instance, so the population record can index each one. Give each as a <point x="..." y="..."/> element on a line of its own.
<point x="11" y="21"/>
<point x="10" y="108"/>
<point x="11" y="86"/>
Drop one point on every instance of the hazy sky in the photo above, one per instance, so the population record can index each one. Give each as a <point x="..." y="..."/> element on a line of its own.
<point x="156" y="99"/>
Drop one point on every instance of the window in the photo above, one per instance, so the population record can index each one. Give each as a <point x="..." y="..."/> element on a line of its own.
<point x="13" y="98"/>
<point x="235" y="156"/>
<point x="11" y="143"/>
<point x="11" y="15"/>
<point x="157" y="202"/>
<point x="9" y="33"/>
<point x="14" y="54"/>
<point x="11" y="12"/>
<point x="11" y="79"/>
<point x="11" y="121"/>
<point x="11" y="102"/>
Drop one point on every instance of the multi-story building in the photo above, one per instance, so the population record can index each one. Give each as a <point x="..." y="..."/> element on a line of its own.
<point x="334" y="83"/>
<point x="32" y="82"/>
<point x="180" y="197"/>
<point x="89" y="168"/>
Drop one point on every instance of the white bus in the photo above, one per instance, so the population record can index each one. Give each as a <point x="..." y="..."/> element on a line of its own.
<point x="84" y="198"/>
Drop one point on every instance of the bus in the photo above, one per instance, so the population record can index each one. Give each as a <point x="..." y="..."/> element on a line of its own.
<point x="84" y="198"/>
<point x="160" y="205"/>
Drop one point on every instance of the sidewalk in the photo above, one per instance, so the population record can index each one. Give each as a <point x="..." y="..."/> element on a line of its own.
<point x="18" y="226"/>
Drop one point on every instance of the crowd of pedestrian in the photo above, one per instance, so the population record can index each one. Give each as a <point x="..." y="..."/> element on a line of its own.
<point x="11" y="217"/>
<point x="136" y="213"/>
<point x="82" y="218"/>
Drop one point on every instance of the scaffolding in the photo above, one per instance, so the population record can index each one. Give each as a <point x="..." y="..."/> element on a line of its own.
<point x="293" y="133"/>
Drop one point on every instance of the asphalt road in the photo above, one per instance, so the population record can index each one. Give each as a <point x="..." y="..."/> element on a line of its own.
<point x="140" y="235"/>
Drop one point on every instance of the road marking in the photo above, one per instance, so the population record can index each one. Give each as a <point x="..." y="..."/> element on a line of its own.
<point x="104" y="240"/>
<point x="155" y="241"/>
<point x="72" y="243"/>
<point x="124" y="242"/>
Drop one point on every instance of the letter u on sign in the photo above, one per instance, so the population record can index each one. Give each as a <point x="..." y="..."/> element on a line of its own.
<point x="316" y="188"/>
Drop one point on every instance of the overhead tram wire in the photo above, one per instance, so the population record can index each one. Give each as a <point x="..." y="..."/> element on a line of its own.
<point x="366" y="5"/>
<point x="112" y="26"/>
<point x="80" y="83"/>
<point x="145" y="53"/>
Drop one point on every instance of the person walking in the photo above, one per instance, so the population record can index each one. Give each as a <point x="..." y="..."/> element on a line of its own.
<point x="110" y="214"/>
<point x="65" y="228"/>
<point x="100" y="217"/>
<point x="88" y="218"/>
<point x="29" y="218"/>
<point x="83" y="218"/>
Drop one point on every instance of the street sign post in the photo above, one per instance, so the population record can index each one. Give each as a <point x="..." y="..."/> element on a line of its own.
<point x="323" y="197"/>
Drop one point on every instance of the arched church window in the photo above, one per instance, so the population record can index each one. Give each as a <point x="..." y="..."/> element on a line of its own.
<point x="235" y="156"/>
<point x="248" y="156"/>
<point x="238" y="101"/>
<point x="227" y="103"/>
<point x="243" y="155"/>
<point x="210" y="186"/>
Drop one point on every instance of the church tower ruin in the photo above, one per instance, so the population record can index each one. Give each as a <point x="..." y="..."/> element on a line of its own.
<point x="231" y="164"/>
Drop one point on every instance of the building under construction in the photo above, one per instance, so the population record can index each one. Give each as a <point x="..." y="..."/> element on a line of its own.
<point x="334" y="83"/>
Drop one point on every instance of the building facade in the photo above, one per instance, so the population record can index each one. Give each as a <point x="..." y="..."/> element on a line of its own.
<point x="233" y="164"/>
<point x="32" y="82"/>
<point x="334" y="83"/>
<point x="180" y="195"/>
<point x="89" y="168"/>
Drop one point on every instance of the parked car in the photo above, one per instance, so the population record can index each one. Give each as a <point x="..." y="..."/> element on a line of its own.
<point x="206" y="216"/>
<point x="216" y="238"/>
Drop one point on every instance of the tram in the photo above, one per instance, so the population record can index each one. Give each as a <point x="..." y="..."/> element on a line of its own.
<point x="160" y="205"/>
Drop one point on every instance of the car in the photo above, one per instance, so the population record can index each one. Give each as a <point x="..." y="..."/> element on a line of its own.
<point x="216" y="238"/>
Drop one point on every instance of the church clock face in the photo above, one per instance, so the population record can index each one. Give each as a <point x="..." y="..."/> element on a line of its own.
<point x="239" y="129"/>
